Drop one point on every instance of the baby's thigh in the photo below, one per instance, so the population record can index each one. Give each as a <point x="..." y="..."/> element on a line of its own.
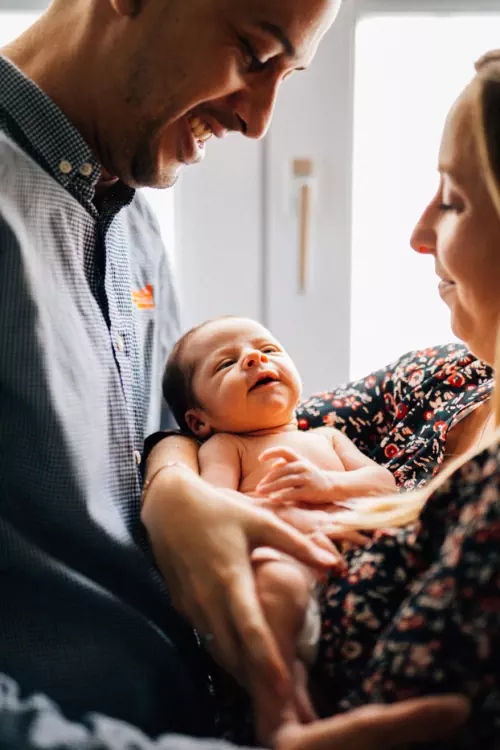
<point x="282" y="583"/>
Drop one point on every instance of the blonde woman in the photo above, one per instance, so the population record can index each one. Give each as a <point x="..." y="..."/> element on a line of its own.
<point x="418" y="612"/>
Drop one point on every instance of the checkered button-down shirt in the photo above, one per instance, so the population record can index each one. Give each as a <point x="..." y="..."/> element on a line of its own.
<point x="87" y="315"/>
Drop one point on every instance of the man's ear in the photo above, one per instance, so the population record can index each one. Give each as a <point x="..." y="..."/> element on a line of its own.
<point x="126" y="7"/>
<point x="197" y="422"/>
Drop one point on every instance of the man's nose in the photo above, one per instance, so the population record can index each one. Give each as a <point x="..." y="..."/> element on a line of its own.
<point x="254" y="359"/>
<point x="255" y="106"/>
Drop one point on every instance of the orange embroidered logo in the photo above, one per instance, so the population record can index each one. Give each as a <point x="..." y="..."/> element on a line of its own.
<point x="143" y="299"/>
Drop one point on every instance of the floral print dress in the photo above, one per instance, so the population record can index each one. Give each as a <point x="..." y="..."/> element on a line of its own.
<point x="400" y="416"/>
<point x="418" y="611"/>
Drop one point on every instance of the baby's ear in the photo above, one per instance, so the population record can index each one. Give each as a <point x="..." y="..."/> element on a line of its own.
<point x="197" y="423"/>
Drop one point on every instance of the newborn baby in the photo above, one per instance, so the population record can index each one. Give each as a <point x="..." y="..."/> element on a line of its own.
<point x="232" y="385"/>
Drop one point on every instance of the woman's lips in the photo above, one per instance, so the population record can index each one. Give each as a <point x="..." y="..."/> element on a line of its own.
<point x="445" y="286"/>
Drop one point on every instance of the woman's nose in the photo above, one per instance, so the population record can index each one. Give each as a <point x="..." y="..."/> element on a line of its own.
<point x="423" y="238"/>
<point x="254" y="359"/>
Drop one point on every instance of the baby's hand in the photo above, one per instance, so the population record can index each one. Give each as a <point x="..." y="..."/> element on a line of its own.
<point x="294" y="479"/>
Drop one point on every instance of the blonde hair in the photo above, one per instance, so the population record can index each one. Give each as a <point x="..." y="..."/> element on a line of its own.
<point x="405" y="508"/>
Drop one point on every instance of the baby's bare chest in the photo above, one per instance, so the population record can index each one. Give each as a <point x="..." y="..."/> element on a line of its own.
<point x="315" y="446"/>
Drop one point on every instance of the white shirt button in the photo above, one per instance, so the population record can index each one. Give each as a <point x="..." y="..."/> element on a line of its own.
<point x="65" y="167"/>
<point x="137" y="457"/>
<point x="120" y="344"/>
<point x="86" y="169"/>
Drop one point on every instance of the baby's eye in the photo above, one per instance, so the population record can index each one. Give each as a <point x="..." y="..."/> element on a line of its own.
<point x="269" y="350"/>
<point x="224" y="365"/>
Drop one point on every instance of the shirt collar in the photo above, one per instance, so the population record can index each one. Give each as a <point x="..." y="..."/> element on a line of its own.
<point x="53" y="140"/>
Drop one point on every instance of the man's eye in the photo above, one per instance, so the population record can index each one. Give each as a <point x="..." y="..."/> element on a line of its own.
<point x="252" y="62"/>
<point x="447" y="207"/>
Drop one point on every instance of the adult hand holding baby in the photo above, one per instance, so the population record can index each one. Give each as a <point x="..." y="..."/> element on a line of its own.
<point x="202" y="538"/>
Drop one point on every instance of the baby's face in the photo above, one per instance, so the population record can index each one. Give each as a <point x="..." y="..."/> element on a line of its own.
<point x="243" y="379"/>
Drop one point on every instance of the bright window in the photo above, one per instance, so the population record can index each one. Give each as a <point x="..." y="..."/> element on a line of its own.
<point x="12" y="24"/>
<point x="408" y="71"/>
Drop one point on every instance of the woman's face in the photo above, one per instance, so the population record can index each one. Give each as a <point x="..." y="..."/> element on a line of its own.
<point x="461" y="229"/>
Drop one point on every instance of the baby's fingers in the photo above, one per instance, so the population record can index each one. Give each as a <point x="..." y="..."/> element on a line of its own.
<point x="270" y="489"/>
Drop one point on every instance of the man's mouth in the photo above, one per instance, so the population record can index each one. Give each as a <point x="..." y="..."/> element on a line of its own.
<point x="201" y="130"/>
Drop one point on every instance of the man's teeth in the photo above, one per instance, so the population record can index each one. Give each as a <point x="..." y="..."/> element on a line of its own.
<point x="201" y="131"/>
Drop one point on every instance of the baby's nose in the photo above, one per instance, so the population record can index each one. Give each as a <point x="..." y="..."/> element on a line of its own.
<point x="253" y="359"/>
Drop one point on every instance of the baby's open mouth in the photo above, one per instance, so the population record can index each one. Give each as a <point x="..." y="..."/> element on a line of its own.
<point x="264" y="380"/>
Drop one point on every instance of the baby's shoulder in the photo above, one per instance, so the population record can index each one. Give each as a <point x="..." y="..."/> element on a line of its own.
<point x="325" y="432"/>
<point x="221" y="442"/>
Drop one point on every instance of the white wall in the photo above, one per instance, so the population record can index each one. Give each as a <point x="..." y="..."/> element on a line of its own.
<point x="219" y="231"/>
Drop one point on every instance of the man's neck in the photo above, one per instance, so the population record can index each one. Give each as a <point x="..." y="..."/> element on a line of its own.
<point x="67" y="83"/>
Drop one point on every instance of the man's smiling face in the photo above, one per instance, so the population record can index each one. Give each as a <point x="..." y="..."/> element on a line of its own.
<point x="188" y="70"/>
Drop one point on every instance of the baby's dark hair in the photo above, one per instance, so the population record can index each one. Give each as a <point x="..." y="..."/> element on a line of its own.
<point x="177" y="383"/>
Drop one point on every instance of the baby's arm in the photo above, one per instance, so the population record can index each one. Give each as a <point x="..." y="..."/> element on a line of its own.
<point x="298" y="480"/>
<point x="364" y="477"/>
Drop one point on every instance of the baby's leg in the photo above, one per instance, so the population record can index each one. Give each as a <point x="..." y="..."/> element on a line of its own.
<point x="284" y="589"/>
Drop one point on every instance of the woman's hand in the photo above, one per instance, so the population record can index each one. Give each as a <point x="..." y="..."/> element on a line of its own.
<point x="377" y="727"/>
<point x="202" y="539"/>
<point x="314" y="520"/>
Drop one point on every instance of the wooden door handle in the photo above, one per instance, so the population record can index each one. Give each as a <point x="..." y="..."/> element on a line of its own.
<point x="304" y="235"/>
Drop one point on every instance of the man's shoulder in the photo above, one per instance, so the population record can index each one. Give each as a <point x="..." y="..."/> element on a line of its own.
<point x="26" y="189"/>
<point x="14" y="160"/>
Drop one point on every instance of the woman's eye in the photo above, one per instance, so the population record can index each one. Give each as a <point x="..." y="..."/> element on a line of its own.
<point x="252" y="62"/>
<point x="446" y="207"/>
